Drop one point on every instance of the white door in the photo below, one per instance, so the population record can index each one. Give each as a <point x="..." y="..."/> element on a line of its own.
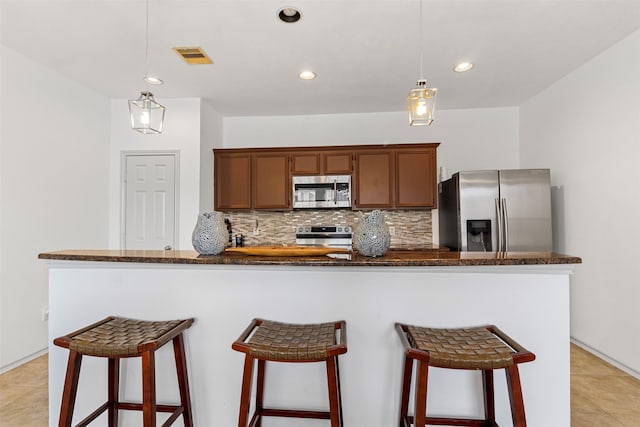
<point x="150" y="201"/>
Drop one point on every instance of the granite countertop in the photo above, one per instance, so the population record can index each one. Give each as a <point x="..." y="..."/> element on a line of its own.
<point x="414" y="257"/>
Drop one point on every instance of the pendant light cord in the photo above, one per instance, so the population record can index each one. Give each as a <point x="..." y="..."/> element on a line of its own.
<point x="146" y="51"/>
<point x="421" y="51"/>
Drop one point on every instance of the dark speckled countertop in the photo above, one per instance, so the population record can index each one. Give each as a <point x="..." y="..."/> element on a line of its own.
<point x="405" y="257"/>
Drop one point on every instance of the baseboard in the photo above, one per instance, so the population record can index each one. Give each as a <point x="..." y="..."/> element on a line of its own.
<point x="606" y="358"/>
<point x="22" y="361"/>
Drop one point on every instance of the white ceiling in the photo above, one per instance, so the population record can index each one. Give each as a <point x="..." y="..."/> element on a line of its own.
<point x="365" y="52"/>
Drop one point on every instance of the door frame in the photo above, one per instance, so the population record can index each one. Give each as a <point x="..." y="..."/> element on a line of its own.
<point x="123" y="189"/>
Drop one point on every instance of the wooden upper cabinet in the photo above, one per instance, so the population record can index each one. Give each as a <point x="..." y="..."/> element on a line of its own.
<point x="232" y="181"/>
<point x="415" y="178"/>
<point x="321" y="162"/>
<point x="373" y="179"/>
<point x="337" y="162"/>
<point x="251" y="180"/>
<point x="305" y="163"/>
<point x="271" y="182"/>
<point x="396" y="178"/>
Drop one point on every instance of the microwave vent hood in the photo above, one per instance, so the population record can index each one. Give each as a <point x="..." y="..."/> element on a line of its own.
<point x="321" y="191"/>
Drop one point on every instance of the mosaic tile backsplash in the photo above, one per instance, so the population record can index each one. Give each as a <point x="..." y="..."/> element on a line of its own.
<point x="412" y="227"/>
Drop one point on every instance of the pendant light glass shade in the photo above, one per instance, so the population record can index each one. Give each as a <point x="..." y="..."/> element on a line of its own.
<point x="146" y="114"/>
<point x="421" y="104"/>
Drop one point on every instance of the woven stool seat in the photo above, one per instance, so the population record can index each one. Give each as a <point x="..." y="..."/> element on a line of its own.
<point x="286" y="341"/>
<point x="115" y="338"/>
<point x="122" y="337"/>
<point x="266" y="340"/>
<point x="479" y="348"/>
<point x="463" y="348"/>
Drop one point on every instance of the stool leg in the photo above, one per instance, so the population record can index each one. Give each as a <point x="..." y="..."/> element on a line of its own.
<point x="262" y="365"/>
<point x="70" y="389"/>
<point x="183" y="380"/>
<point x="339" y="390"/>
<point x="406" y="389"/>
<point x="245" y="394"/>
<point x="113" y="391"/>
<point x="422" y="377"/>
<point x="148" y="389"/>
<point x="334" y="395"/>
<point x="489" y="400"/>
<point x="515" y="396"/>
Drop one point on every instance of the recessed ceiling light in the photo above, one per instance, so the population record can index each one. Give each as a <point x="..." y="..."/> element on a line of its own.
<point x="462" y="67"/>
<point x="307" y="75"/>
<point x="153" y="80"/>
<point x="289" y="14"/>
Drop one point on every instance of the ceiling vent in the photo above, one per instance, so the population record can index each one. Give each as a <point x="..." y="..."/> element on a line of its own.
<point x="193" y="55"/>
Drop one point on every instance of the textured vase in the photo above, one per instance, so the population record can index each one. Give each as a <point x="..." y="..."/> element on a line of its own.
<point x="210" y="235"/>
<point x="371" y="235"/>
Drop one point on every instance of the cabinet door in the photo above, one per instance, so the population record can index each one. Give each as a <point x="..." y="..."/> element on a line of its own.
<point x="232" y="182"/>
<point x="415" y="178"/>
<point x="374" y="179"/>
<point x="305" y="163"/>
<point x="337" y="162"/>
<point x="271" y="183"/>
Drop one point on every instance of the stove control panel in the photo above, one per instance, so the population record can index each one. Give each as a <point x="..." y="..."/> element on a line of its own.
<point x="323" y="229"/>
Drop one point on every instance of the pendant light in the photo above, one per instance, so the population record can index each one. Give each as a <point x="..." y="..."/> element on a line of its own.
<point x="146" y="114"/>
<point x="421" y="101"/>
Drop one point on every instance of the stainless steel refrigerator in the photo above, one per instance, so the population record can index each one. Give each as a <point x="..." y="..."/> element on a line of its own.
<point x="496" y="211"/>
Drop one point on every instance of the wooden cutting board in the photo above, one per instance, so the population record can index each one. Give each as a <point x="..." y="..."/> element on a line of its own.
<point x="287" y="250"/>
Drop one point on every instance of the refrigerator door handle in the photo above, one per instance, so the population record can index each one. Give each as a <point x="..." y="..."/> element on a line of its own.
<point x="505" y="222"/>
<point x="499" y="224"/>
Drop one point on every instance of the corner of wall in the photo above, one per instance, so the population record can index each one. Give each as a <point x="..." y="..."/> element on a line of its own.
<point x="211" y="135"/>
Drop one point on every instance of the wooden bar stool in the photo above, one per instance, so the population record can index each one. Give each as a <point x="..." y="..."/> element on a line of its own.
<point x="265" y="340"/>
<point x="481" y="348"/>
<point x="116" y="338"/>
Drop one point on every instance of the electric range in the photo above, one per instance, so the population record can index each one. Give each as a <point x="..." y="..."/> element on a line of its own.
<point x="324" y="235"/>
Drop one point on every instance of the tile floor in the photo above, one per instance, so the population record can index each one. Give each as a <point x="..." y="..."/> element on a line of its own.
<point x="601" y="395"/>
<point x="24" y="395"/>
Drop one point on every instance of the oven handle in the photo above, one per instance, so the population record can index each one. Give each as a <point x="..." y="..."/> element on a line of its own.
<point x="323" y="236"/>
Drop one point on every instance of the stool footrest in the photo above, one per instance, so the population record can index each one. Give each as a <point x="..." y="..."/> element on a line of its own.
<point x="130" y="406"/>
<point x="294" y="413"/>
<point x="466" y="422"/>
<point x="95" y="414"/>
<point x="177" y="410"/>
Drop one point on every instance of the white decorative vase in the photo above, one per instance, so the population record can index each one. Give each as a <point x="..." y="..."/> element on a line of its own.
<point x="371" y="235"/>
<point x="210" y="235"/>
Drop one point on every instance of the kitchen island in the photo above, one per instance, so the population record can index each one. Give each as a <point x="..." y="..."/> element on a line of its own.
<point x="526" y="294"/>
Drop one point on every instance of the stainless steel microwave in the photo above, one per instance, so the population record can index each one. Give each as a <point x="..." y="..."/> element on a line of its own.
<point x="322" y="191"/>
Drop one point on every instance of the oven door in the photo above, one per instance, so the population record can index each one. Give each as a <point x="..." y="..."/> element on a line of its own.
<point x="326" y="191"/>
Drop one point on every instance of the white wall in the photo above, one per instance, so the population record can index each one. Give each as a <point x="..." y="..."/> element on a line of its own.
<point x="211" y="123"/>
<point x="181" y="132"/>
<point x="54" y="137"/>
<point x="470" y="139"/>
<point x="586" y="127"/>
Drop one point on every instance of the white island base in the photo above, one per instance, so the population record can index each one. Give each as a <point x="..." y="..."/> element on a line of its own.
<point x="528" y="302"/>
